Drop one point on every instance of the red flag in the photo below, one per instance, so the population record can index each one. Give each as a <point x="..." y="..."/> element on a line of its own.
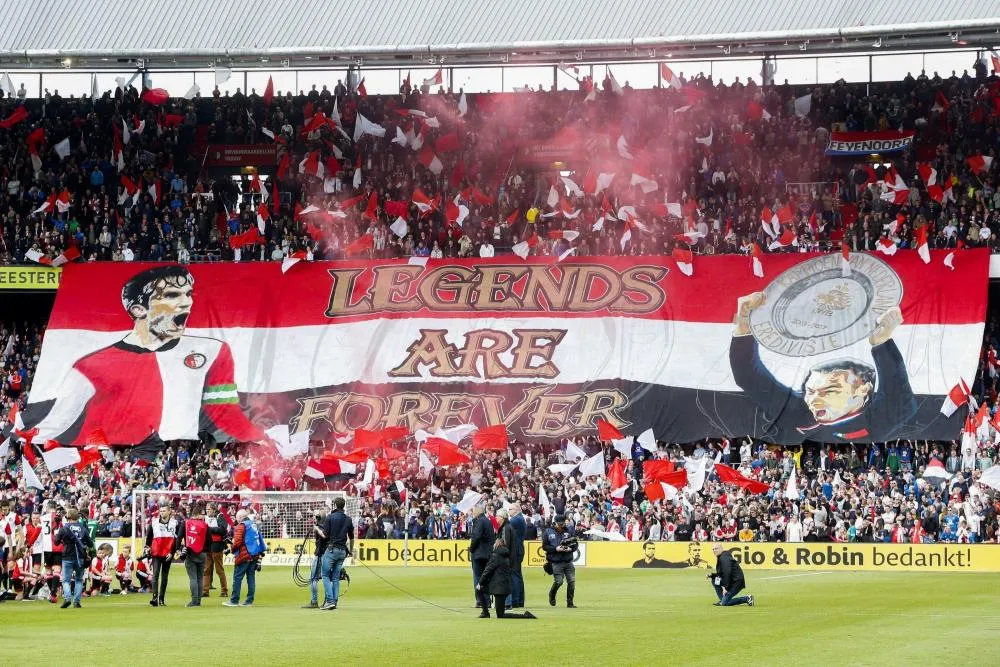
<point x="729" y="475"/>
<point x="10" y="121"/>
<point x="491" y="437"/>
<point x="606" y="431"/>
<point x="448" y="143"/>
<point x="616" y="474"/>
<point x="656" y="469"/>
<point x="365" y="439"/>
<point x="513" y="218"/>
<point x="283" y="166"/>
<point x="396" y="209"/>
<point x="450" y="455"/>
<point x="88" y="455"/>
<point x="501" y="480"/>
<point x="371" y="211"/>
<point x="242" y="477"/>
<point x="362" y="91"/>
<point x="361" y="244"/>
<point x="269" y="92"/>
<point x="356" y="456"/>
<point x="382" y="467"/>
<point x="155" y="96"/>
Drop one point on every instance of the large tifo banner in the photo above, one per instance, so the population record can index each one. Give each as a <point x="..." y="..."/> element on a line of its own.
<point x="806" y="352"/>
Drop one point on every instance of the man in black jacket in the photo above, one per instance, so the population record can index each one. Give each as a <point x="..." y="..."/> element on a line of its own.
<point x="218" y="528"/>
<point x="480" y="547"/>
<point x="76" y="543"/>
<point x="728" y="579"/>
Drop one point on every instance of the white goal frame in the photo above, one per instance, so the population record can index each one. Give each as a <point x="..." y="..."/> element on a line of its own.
<point x="305" y="502"/>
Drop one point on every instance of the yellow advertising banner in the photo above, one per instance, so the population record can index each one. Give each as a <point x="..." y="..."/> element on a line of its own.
<point x="29" y="277"/>
<point x="801" y="556"/>
<point x="851" y="557"/>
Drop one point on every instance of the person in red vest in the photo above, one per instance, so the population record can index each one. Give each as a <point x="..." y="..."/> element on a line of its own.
<point x="218" y="528"/>
<point x="194" y="538"/>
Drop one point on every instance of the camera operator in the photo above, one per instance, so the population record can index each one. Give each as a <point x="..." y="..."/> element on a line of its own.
<point x="728" y="579"/>
<point x="76" y="543"/>
<point x="316" y="573"/>
<point x="560" y="549"/>
<point x="339" y="531"/>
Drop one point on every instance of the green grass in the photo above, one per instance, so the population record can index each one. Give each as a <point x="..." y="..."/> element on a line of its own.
<point x="624" y="617"/>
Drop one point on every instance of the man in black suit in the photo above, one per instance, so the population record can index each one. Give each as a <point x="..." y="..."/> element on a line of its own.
<point x="480" y="548"/>
<point x="728" y="579"/>
<point x="840" y="401"/>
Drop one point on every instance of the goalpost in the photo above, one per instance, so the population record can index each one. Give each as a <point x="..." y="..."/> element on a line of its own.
<point x="280" y="514"/>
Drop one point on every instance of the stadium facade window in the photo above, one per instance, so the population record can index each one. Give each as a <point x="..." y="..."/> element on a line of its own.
<point x="894" y="67"/>
<point x="945" y="62"/>
<point x="321" y="77"/>
<point x="518" y="77"/>
<point x="798" y="71"/>
<point x="850" y="68"/>
<point x="689" y="69"/>
<point x="483" y="79"/>
<point x="284" y="80"/>
<point x="726" y="71"/>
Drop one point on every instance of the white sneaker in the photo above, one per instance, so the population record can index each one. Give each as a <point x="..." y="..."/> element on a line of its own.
<point x="749" y="600"/>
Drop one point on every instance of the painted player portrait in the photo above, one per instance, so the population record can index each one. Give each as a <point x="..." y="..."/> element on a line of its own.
<point x="811" y="313"/>
<point x="156" y="379"/>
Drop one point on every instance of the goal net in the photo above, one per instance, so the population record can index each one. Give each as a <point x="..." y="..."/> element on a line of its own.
<point x="283" y="517"/>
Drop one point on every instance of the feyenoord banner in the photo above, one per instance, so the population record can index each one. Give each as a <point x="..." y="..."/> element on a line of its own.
<point x="802" y="354"/>
<point x="865" y="143"/>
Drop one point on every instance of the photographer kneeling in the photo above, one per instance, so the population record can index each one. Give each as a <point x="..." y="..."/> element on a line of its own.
<point x="728" y="579"/>
<point x="560" y="548"/>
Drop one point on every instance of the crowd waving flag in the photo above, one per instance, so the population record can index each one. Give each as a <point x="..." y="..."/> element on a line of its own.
<point x="615" y="347"/>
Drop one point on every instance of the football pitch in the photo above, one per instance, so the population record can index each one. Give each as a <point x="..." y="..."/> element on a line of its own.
<point x="624" y="617"/>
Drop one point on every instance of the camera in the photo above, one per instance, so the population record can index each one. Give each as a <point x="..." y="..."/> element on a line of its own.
<point x="571" y="543"/>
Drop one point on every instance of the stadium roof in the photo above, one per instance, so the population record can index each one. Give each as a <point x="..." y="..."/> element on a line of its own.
<point x="197" y="33"/>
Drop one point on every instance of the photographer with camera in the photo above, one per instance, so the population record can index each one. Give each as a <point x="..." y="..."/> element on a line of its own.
<point x="194" y="536"/>
<point x="316" y="573"/>
<point x="560" y="548"/>
<point x="76" y="543"/>
<point x="339" y="531"/>
<point x="728" y="579"/>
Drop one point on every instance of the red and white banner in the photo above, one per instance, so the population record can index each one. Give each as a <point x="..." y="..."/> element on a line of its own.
<point x="804" y="353"/>
<point x="865" y="143"/>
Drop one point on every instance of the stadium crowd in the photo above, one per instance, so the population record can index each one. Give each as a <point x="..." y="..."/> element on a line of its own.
<point x="122" y="177"/>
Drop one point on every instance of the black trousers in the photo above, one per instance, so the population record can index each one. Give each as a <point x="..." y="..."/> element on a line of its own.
<point x="161" y="572"/>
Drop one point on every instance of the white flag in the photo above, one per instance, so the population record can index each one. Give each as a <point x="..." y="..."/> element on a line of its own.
<point x="792" y="487"/>
<point x="94" y="92"/>
<point x="696" y="472"/>
<point x="463" y="106"/>
<point x="706" y="141"/>
<point x="400" y="228"/>
<point x="425" y="462"/>
<point x="222" y="74"/>
<point x="363" y="126"/>
<point x="574" y="453"/>
<point x="624" y="446"/>
<point x="803" y="105"/>
<point x="562" y="468"/>
<point x="470" y="500"/>
<point x="61" y="457"/>
<point x="593" y="466"/>
<point x="62" y="149"/>
<point x="192" y="92"/>
<point x="7" y="85"/>
<point x="544" y="504"/>
<point x="30" y="478"/>
<point x="647" y="440"/>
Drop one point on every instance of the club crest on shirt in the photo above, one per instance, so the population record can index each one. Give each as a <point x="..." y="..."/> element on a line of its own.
<point x="195" y="360"/>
